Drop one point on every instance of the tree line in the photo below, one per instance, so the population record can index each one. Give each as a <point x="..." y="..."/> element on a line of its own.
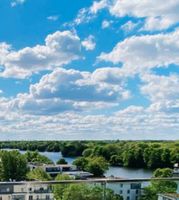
<point x="150" y="155"/>
<point x="136" y="154"/>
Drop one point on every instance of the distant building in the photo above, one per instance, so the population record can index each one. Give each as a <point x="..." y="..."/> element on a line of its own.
<point x="25" y="192"/>
<point x="176" y="170"/>
<point x="54" y="170"/>
<point x="79" y="174"/>
<point x="173" y="196"/>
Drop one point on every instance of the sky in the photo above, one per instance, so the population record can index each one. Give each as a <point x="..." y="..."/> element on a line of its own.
<point x="89" y="70"/>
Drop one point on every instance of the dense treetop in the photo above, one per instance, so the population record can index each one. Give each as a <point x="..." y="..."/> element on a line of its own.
<point x="143" y="154"/>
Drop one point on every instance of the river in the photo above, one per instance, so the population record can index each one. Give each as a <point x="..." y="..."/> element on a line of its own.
<point x="122" y="172"/>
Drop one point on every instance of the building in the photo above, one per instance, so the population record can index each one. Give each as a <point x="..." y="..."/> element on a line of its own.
<point x="79" y="174"/>
<point x="128" y="190"/>
<point x="173" y="196"/>
<point x="25" y="191"/>
<point x="54" y="170"/>
<point x="176" y="170"/>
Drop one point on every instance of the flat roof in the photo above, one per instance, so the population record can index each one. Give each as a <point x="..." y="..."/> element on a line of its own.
<point x="64" y="165"/>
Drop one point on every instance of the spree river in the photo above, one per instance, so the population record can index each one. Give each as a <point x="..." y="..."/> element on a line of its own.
<point x="122" y="172"/>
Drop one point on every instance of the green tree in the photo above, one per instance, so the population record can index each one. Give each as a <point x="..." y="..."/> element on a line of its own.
<point x="97" y="166"/>
<point x="59" y="190"/>
<point x="13" y="166"/>
<point x="87" y="152"/>
<point x="62" y="161"/>
<point x="81" y="162"/>
<point x="86" y="192"/>
<point x="163" y="173"/>
<point x="159" y="186"/>
<point x="152" y="157"/>
<point x="115" y="160"/>
<point x="36" y="157"/>
<point x="38" y="174"/>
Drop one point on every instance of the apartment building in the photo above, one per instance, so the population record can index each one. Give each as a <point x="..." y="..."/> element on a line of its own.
<point x="25" y="191"/>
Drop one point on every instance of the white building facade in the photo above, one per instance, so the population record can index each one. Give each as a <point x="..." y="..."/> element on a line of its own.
<point x="128" y="190"/>
<point x="25" y="192"/>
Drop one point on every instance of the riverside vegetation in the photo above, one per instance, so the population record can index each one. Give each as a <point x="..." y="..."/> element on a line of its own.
<point x="136" y="154"/>
<point x="13" y="166"/>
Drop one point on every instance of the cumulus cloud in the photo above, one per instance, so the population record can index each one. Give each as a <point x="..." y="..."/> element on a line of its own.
<point x="162" y="91"/>
<point x="89" y="43"/>
<point x="60" y="48"/>
<point x="72" y="90"/>
<point x="157" y="15"/>
<point x="136" y="121"/>
<point x="141" y="53"/>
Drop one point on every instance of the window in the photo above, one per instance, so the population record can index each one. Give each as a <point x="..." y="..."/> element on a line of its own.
<point x="128" y="191"/>
<point x="47" y="197"/>
<point x="135" y="185"/>
<point x="128" y="198"/>
<point x="121" y="185"/>
<point x="120" y="191"/>
<point x="137" y="192"/>
<point x="30" y="197"/>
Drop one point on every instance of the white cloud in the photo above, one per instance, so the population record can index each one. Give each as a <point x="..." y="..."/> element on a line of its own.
<point x="89" y="43"/>
<point x="72" y="90"/>
<point x="83" y="16"/>
<point x="16" y="2"/>
<point x="87" y="14"/>
<point x="158" y="14"/>
<point x="162" y="91"/>
<point x="157" y="23"/>
<point x="60" y="48"/>
<point x="97" y="6"/>
<point x="106" y="24"/>
<point x="129" y="26"/>
<point x="138" y="122"/>
<point x="141" y="53"/>
<point x="53" y="17"/>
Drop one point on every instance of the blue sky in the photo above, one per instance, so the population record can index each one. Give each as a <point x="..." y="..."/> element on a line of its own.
<point x="105" y="69"/>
